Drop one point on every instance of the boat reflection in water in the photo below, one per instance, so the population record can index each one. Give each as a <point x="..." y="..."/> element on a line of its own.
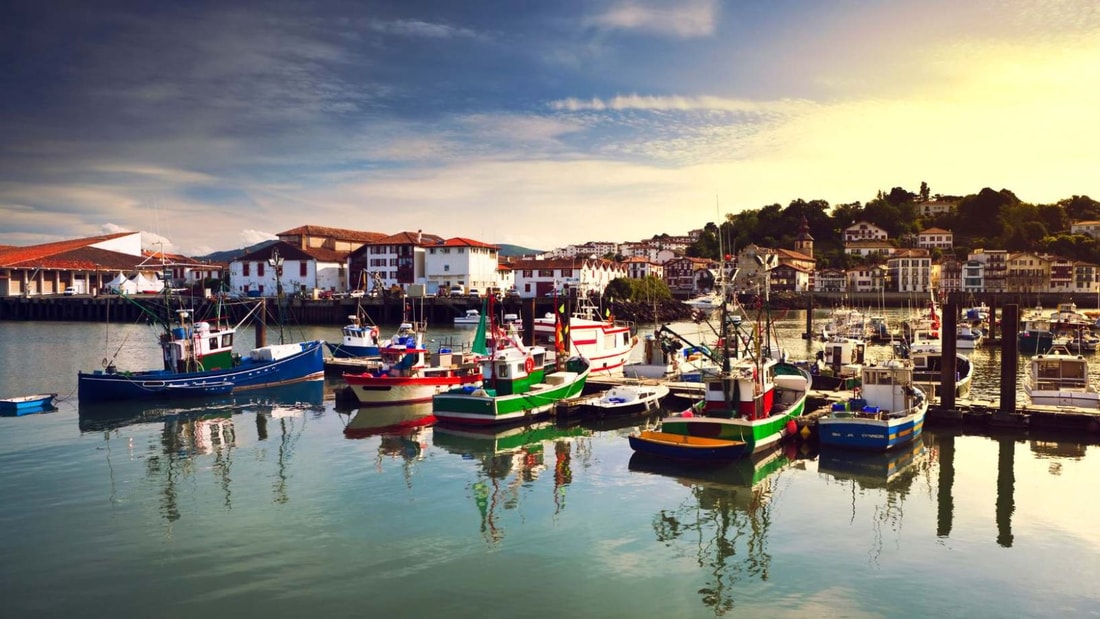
<point x="403" y="431"/>
<point x="205" y="428"/>
<point x="730" y="506"/>
<point x="510" y="459"/>
<point x="881" y="481"/>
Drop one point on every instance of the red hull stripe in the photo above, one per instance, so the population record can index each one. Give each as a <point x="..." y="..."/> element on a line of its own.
<point x="397" y="381"/>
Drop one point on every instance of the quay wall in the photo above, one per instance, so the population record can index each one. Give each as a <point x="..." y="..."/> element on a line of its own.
<point x="327" y="312"/>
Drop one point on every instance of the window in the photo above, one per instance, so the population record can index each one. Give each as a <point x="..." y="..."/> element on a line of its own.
<point x="259" y="269"/>
<point x="446" y="268"/>
<point x="245" y="268"/>
<point x="227" y="340"/>
<point x="302" y="268"/>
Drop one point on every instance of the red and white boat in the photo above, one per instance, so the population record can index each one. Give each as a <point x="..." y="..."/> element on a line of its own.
<point x="405" y="377"/>
<point x="605" y="342"/>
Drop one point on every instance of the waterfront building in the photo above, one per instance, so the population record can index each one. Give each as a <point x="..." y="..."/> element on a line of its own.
<point x="85" y="265"/>
<point x="304" y="270"/>
<point x="395" y="260"/>
<point x="681" y="274"/>
<point x="972" y="278"/>
<point x="910" y="270"/>
<point x="994" y="271"/>
<point x="641" y="268"/>
<point x="1061" y="274"/>
<point x="462" y="262"/>
<point x="1086" y="277"/>
<point x="830" y="280"/>
<point x="866" y="278"/>
<point x="1027" y="272"/>
<point x="539" y="278"/>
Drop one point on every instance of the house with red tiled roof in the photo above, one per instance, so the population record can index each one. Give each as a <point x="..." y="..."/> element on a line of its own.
<point x="85" y="264"/>
<point x="333" y="239"/>
<point x="639" y="267"/>
<point x="398" y="259"/>
<point x="184" y="271"/>
<point x="935" y="237"/>
<point x="538" y="278"/>
<point x="461" y="263"/>
<point x="688" y="274"/>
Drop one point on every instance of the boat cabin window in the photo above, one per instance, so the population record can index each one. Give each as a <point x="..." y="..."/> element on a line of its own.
<point x="878" y="377"/>
<point x="502" y="370"/>
<point x="213" y="343"/>
<point x="227" y="340"/>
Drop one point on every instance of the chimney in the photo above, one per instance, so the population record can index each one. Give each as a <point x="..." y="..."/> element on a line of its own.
<point x="419" y="236"/>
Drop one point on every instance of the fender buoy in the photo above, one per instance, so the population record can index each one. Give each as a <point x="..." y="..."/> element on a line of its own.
<point x="529" y="365"/>
<point x="374" y="332"/>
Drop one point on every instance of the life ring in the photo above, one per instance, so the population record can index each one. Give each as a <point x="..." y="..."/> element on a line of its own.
<point x="374" y="332"/>
<point x="529" y="365"/>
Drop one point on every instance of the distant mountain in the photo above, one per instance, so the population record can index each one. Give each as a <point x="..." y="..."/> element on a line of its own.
<point x="516" y="250"/>
<point x="229" y="254"/>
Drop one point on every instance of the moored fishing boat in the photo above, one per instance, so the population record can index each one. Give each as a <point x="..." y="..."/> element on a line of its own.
<point x="625" y="399"/>
<point x="404" y="376"/>
<point x="357" y="340"/>
<point x="471" y="317"/>
<point x="886" y="412"/>
<point x="603" y="341"/>
<point x="747" y="407"/>
<point x="23" y="405"/>
<point x="1059" y="378"/>
<point x="199" y="360"/>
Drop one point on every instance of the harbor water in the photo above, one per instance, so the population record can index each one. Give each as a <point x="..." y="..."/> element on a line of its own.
<point x="283" y="504"/>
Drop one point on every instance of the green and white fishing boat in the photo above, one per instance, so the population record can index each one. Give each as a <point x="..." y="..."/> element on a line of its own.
<point x="517" y="384"/>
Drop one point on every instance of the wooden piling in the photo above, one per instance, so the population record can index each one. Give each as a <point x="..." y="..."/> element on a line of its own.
<point x="261" y="326"/>
<point x="809" y="335"/>
<point x="1010" y="326"/>
<point x="948" y="371"/>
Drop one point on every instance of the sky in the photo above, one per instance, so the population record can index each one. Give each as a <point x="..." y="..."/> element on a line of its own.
<point x="214" y="125"/>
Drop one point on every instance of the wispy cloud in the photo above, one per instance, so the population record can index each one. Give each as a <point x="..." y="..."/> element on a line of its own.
<point x="682" y="19"/>
<point x="679" y="103"/>
<point x="418" y="28"/>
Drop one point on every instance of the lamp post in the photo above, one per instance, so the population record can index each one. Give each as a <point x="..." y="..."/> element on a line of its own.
<point x="276" y="262"/>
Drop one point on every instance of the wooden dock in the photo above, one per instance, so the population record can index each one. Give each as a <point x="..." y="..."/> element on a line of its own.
<point x="979" y="414"/>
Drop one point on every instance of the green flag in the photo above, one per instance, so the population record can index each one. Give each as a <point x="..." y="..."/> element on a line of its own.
<point x="480" y="347"/>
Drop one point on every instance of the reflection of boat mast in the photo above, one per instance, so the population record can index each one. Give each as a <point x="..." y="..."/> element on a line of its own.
<point x="731" y="506"/>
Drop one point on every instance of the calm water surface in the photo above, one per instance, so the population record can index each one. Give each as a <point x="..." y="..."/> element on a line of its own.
<point x="282" y="505"/>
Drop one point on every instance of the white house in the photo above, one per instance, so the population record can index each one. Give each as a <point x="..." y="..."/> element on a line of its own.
<point x="535" y="278"/>
<point x="302" y="270"/>
<point x="462" y="262"/>
<point x="830" y="280"/>
<point x="910" y="270"/>
<point x="864" y="231"/>
<point x="935" y="237"/>
<point x="1090" y="228"/>
<point x="868" y="247"/>
<point x="866" y="279"/>
<point x="932" y="208"/>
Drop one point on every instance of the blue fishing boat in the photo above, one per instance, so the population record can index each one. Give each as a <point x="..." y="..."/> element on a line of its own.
<point x="358" y="340"/>
<point x="888" y="411"/>
<point x="199" y="361"/>
<point x="11" y="407"/>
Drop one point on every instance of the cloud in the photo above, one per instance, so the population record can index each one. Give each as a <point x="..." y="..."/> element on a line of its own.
<point x="683" y="19"/>
<point x="418" y="28"/>
<point x="251" y="237"/>
<point x="680" y="104"/>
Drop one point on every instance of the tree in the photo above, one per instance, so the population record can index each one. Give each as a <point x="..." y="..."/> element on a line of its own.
<point x="924" y="191"/>
<point x="619" y="288"/>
